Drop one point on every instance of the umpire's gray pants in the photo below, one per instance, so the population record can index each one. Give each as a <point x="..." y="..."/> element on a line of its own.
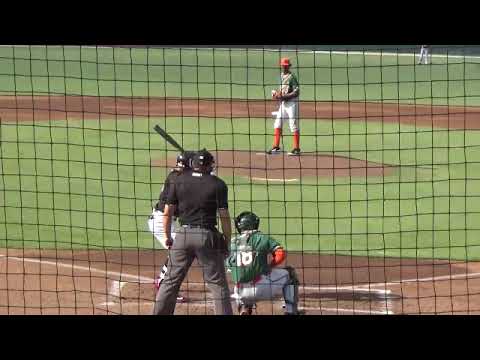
<point x="190" y="244"/>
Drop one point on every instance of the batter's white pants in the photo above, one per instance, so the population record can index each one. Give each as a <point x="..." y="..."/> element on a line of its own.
<point x="269" y="287"/>
<point x="424" y="54"/>
<point x="155" y="225"/>
<point x="287" y="110"/>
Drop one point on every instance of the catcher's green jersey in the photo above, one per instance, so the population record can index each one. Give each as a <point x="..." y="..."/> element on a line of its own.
<point x="248" y="255"/>
<point x="289" y="83"/>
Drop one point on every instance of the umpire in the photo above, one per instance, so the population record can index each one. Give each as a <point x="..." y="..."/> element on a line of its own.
<point x="197" y="196"/>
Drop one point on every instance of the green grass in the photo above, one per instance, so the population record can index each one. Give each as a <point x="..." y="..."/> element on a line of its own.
<point x="74" y="184"/>
<point x="234" y="74"/>
<point x="89" y="184"/>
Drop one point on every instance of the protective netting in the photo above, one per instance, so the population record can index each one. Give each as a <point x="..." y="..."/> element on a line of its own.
<point x="378" y="214"/>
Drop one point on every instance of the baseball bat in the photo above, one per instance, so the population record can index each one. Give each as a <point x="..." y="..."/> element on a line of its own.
<point x="168" y="138"/>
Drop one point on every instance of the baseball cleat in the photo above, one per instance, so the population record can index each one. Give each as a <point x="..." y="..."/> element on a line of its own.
<point x="274" y="150"/>
<point x="298" y="312"/>
<point x="294" y="152"/>
<point x="245" y="310"/>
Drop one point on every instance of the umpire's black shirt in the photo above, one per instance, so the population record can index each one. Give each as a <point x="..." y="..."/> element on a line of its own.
<point x="198" y="196"/>
<point x="162" y="199"/>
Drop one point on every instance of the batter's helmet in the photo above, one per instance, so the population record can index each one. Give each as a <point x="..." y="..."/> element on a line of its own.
<point x="247" y="220"/>
<point x="285" y="62"/>
<point x="203" y="159"/>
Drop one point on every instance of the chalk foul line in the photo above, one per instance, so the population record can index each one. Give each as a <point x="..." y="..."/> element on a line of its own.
<point x="116" y="274"/>
<point x="145" y="279"/>
<point x="267" y="179"/>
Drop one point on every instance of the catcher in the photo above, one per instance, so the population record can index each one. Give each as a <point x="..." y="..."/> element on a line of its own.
<point x="155" y="221"/>
<point x="288" y="97"/>
<point x="254" y="276"/>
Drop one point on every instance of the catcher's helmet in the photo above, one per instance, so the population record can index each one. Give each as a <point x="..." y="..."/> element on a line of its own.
<point x="184" y="160"/>
<point x="203" y="159"/>
<point x="247" y="220"/>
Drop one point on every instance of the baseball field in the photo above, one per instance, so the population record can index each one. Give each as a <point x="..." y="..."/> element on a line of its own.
<point x="379" y="214"/>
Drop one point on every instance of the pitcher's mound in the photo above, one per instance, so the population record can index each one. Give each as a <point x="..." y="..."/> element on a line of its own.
<point x="259" y="166"/>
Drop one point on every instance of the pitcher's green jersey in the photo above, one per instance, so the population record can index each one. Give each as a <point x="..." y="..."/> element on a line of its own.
<point x="248" y="256"/>
<point x="289" y="82"/>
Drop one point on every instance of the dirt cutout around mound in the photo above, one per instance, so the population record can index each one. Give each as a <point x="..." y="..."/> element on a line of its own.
<point x="261" y="166"/>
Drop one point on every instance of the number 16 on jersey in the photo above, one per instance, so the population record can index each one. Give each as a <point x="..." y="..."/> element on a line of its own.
<point x="244" y="258"/>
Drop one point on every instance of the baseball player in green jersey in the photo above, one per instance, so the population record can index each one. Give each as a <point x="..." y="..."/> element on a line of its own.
<point x="288" y="97"/>
<point x="254" y="276"/>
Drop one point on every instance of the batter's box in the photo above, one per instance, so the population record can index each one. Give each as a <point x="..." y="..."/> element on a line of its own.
<point x="146" y="291"/>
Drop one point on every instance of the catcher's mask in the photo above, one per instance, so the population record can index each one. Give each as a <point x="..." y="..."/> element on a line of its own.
<point x="184" y="160"/>
<point x="247" y="220"/>
<point x="203" y="161"/>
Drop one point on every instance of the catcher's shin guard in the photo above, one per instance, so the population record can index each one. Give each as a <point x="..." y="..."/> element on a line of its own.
<point x="290" y="291"/>
<point x="293" y="275"/>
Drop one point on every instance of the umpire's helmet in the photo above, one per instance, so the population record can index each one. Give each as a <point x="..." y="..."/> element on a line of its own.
<point x="184" y="159"/>
<point x="203" y="159"/>
<point x="247" y="220"/>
